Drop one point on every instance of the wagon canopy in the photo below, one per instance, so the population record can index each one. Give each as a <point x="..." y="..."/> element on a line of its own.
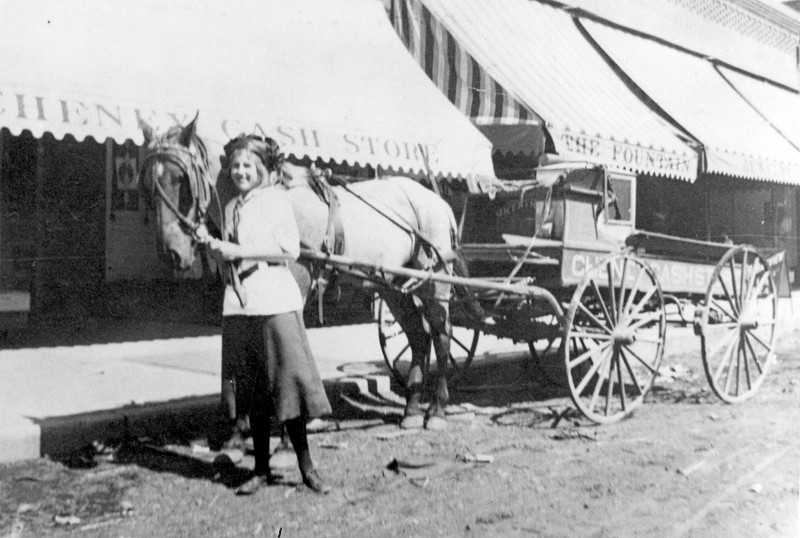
<point x="514" y="64"/>
<point x="736" y="139"/>
<point x="327" y="78"/>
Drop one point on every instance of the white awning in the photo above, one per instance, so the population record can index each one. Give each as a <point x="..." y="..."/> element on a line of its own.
<point x="499" y="59"/>
<point x="777" y="105"/>
<point x="326" y="78"/>
<point x="736" y="140"/>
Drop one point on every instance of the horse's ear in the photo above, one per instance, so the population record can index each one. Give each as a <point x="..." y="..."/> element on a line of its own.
<point x="188" y="132"/>
<point x="148" y="131"/>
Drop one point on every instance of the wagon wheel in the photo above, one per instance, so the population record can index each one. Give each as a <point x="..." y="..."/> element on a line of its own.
<point x="737" y="324"/>
<point x="614" y="338"/>
<point x="396" y="349"/>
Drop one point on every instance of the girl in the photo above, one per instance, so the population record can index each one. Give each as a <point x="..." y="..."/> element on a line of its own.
<point x="264" y="341"/>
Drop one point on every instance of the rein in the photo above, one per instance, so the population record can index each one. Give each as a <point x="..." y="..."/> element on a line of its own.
<point x="199" y="176"/>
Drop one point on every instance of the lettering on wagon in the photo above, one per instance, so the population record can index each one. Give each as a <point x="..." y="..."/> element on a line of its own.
<point x="674" y="276"/>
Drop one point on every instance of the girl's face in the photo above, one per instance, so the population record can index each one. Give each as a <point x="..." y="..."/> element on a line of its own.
<point x="244" y="172"/>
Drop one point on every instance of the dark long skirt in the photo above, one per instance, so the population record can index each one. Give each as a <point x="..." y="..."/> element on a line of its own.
<point x="272" y="368"/>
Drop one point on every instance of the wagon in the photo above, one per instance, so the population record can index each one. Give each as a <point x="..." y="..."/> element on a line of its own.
<point x="557" y="262"/>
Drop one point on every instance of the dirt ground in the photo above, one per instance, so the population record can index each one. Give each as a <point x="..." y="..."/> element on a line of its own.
<point x="684" y="464"/>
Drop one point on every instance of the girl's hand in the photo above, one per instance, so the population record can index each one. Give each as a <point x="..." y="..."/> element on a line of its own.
<point x="228" y="251"/>
<point x="201" y="234"/>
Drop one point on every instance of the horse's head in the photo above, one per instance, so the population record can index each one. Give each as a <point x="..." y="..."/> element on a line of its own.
<point x="179" y="184"/>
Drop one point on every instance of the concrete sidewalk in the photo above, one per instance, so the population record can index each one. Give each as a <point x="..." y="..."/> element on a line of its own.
<point x="55" y="400"/>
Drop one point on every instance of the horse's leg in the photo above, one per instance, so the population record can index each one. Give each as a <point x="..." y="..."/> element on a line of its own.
<point x="438" y="315"/>
<point x="410" y="319"/>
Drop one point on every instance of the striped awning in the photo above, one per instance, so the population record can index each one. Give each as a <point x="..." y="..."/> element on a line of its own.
<point x="454" y="70"/>
<point x="328" y="79"/>
<point x="736" y="139"/>
<point x="517" y="62"/>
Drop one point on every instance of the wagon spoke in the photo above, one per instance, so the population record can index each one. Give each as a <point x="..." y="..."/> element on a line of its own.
<point x="397" y="356"/>
<point x="730" y="370"/>
<point x="610" y="273"/>
<point x="745" y="347"/>
<point x="742" y="279"/>
<point x="602" y="303"/>
<point x="634" y="287"/>
<point x="726" y="358"/>
<point x="644" y="362"/>
<point x="622" y="289"/>
<point x="594" y="336"/>
<point x="587" y="354"/>
<point x="640" y="321"/>
<point x="730" y="300"/>
<point x="597" y="387"/>
<point x="735" y="294"/>
<point x="595" y="394"/>
<point x="622" y="401"/>
<point x="461" y="345"/>
<point x="594" y="318"/>
<point x="610" y="390"/>
<point x="721" y="308"/>
<point x="755" y="356"/>
<point x="590" y="374"/>
<point x="751" y="281"/>
<point x="722" y="341"/>
<point x="644" y="300"/>
<point x="759" y="340"/>
<point x="630" y="372"/>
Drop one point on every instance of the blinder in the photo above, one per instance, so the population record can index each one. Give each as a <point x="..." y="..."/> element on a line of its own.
<point x="195" y="168"/>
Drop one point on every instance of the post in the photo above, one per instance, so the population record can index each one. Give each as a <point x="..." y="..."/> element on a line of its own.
<point x="37" y="284"/>
<point x="3" y="247"/>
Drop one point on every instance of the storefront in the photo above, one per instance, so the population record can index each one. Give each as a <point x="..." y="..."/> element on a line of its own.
<point x="751" y="166"/>
<point x="331" y="83"/>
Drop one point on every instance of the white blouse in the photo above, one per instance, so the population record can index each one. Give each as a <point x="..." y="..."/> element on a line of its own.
<point x="265" y="218"/>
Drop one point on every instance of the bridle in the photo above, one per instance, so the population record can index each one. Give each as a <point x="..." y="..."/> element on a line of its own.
<point x="194" y="165"/>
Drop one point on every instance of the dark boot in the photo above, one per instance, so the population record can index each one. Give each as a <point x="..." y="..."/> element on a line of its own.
<point x="296" y="428"/>
<point x="260" y="428"/>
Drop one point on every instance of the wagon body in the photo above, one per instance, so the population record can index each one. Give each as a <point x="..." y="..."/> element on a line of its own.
<point x="571" y="231"/>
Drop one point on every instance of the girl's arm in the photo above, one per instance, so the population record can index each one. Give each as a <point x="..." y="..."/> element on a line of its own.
<point x="267" y="253"/>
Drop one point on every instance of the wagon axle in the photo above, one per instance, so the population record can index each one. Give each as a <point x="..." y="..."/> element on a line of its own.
<point x="623" y="336"/>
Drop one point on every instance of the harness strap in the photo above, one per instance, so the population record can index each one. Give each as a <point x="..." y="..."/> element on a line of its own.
<point x="334" y="238"/>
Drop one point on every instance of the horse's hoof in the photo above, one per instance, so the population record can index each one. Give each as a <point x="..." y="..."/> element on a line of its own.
<point x="436" y="424"/>
<point x="412" y="422"/>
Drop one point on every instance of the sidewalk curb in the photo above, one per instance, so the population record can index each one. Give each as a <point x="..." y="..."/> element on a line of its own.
<point x="65" y="436"/>
<point x="19" y="441"/>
